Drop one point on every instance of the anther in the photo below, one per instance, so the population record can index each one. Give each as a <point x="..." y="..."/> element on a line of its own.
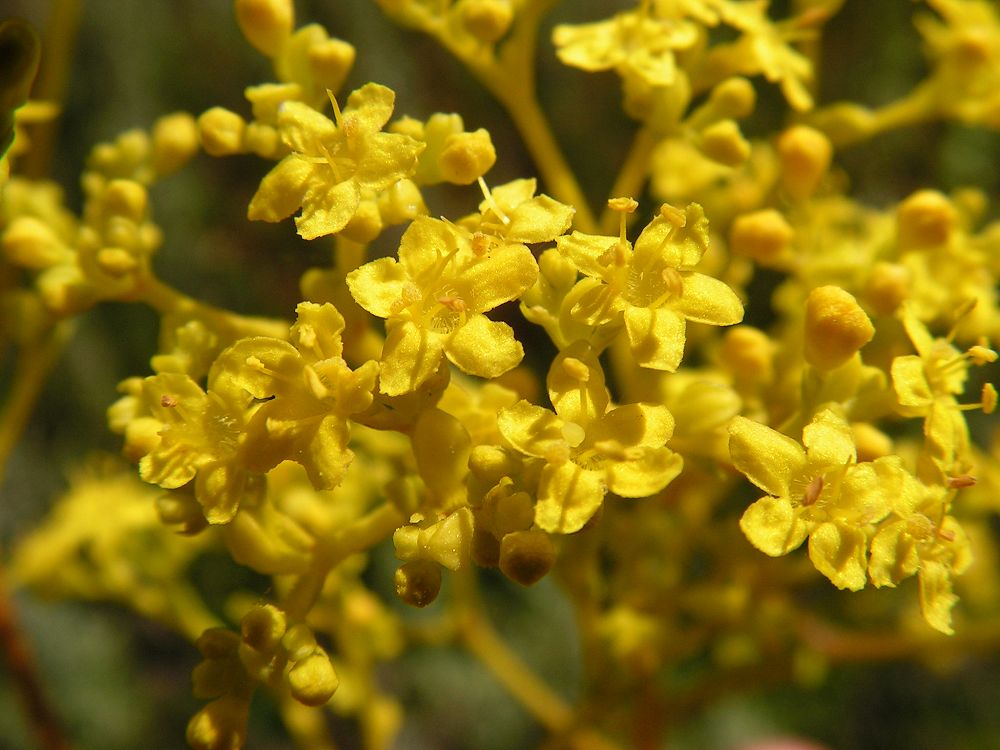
<point x="167" y="401"/>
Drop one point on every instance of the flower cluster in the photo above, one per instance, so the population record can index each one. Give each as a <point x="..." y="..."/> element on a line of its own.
<point x="522" y="387"/>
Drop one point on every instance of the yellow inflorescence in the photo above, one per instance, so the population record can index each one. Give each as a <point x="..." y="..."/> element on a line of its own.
<point x="410" y="400"/>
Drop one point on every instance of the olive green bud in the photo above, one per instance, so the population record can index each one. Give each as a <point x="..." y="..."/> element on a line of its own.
<point x="418" y="582"/>
<point x="262" y="627"/>
<point x="313" y="680"/>
<point x="526" y="556"/>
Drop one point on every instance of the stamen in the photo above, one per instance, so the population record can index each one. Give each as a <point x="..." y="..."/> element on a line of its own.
<point x="337" y="116"/>
<point x="813" y="490"/>
<point x="167" y="401"/>
<point x="961" y="482"/>
<point x="492" y="203"/>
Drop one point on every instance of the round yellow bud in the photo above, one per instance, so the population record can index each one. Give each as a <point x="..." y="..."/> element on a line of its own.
<point x="330" y="61"/>
<point x="871" y="442"/>
<point x="836" y="327"/>
<point x="221" y="725"/>
<point x="266" y="24"/>
<point x="733" y="97"/>
<point x="31" y="243"/>
<point x="762" y="235"/>
<point x="490" y="463"/>
<point x="526" y="556"/>
<point x="418" y="582"/>
<point x="805" y="156"/>
<point x="887" y="288"/>
<point x="401" y="203"/>
<point x="487" y="20"/>
<point x="221" y="132"/>
<point x="179" y="509"/>
<point x="925" y="219"/>
<point x="263" y="140"/>
<point x="313" y="680"/>
<point x="724" y="143"/>
<point x="298" y="641"/>
<point x="747" y="352"/>
<point x="175" y="140"/>
<point x="466" y="157"/>
<point x="365" y="225"/>
<point x="126" y="198"/>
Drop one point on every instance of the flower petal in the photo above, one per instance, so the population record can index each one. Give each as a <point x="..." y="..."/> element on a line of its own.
<point x="708" y="300"/>
<point x="765" y="456"/>
<point x="281" y="191"/>
<point x="531" y="429"/>
<point x="838" y="552"/>
<point x="409" y="357"/>
<point x="326" y="209"/>
<point x="378" y="286"/>
<point x="484" y="347"/>
<point x="773" y="526"/>
<point x="829" y="441"/>
<point x="656" y="337"/>
<point x="646" y="475"/>
<point x="568" y="496"/>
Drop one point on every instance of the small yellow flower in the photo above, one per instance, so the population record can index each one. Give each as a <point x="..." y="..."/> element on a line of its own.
<point x="818" y="491"/>
<point x="651" y="289"/>
<point x="586" y="448"/>
<point x="434" y="297"/>
<point x="333" y="167"/>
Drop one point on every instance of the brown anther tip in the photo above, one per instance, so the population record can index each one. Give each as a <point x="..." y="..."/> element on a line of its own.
<point x="961" y="481"/>
<point x="167" y="401"/>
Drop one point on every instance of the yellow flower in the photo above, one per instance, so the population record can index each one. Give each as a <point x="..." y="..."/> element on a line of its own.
<point x="652" y="289"/>
<point x="819" y="492"/>
<point x="513" y="213"/>
<point x="637" y="44"/>
<point x="587" y="449"/>
<point x="201" y="437"/>
<point x="434" y="298"/>
<point x="914" y="543"/>
<point x="333" y="167"/>
<point x="307" y="392"/>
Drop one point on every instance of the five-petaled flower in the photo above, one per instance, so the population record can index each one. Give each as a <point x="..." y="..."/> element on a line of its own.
<point x="586" y="448"/>
<point x="334" y="166"/>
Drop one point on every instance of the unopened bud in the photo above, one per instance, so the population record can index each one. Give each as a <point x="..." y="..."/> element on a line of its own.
<point x="313" y="681"/>
<point x="526" y="556"/>
<point x="175" y="140"/>
<point x="836" y="327"/>
<point x="724" y="143"/>
<point x="762" y="235"/>
<point x="925" y="219"/>
<point x="418" y="582"/>
<point x="266" y="24"/>
<point x="805" y="156"/>
<point x="467" y="157"/>
<point x="487" y="20"/>
<point x="221" y="132"/>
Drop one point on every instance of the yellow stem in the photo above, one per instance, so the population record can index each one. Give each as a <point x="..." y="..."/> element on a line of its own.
<point x="511" y="80"/>
<point x="33" y="364"/>
<point x="483" y="642"/>
<point x="631" y="180"/>
<point x="361" y="535"/>
<point x="167" y="300"/>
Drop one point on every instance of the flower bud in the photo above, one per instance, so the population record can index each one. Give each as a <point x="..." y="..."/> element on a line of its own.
<point x="836" y="327"/>
<point x="262" y="627"/>
<point x="526" y="556"/>
<point x="490" y="463"/>
<point x="805" y="156"/>
<point x="313" y="681"/>
<point x="126" y="198"/>
<point x="870" y="441"/>
<point x="178" y="508"/>
<point x="217" y="643"/>
<point x="221" y="725"/>
<point x="487" y="20"/>
<point x="887" y="288"/>
<point x="401" y="203"/>
<point x="747" y="352"/>
<point x="734" y="97"/>
<point x="485" y="548"/>
<point x="330" y="61"/>
<point x="30" y="243"/>
<point x="467" y="157"/>
<point x="762" y="235"/>
<point x="724" y="143"/>
<point x="925" y="219"/>
<point x="418" y="582"/>
<point x="175" y="140"/>
<point x="298" y="641"/>
<point x="266" y="24"/>
<point x="221" y="132"/>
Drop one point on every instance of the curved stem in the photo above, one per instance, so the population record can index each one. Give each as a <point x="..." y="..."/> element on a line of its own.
<point x="167" y="300"/>
<point x="361" y="535"/>
<point x="510" y="78"/>
<point x="33" y="364"/>
<point x="631" y="180"/>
